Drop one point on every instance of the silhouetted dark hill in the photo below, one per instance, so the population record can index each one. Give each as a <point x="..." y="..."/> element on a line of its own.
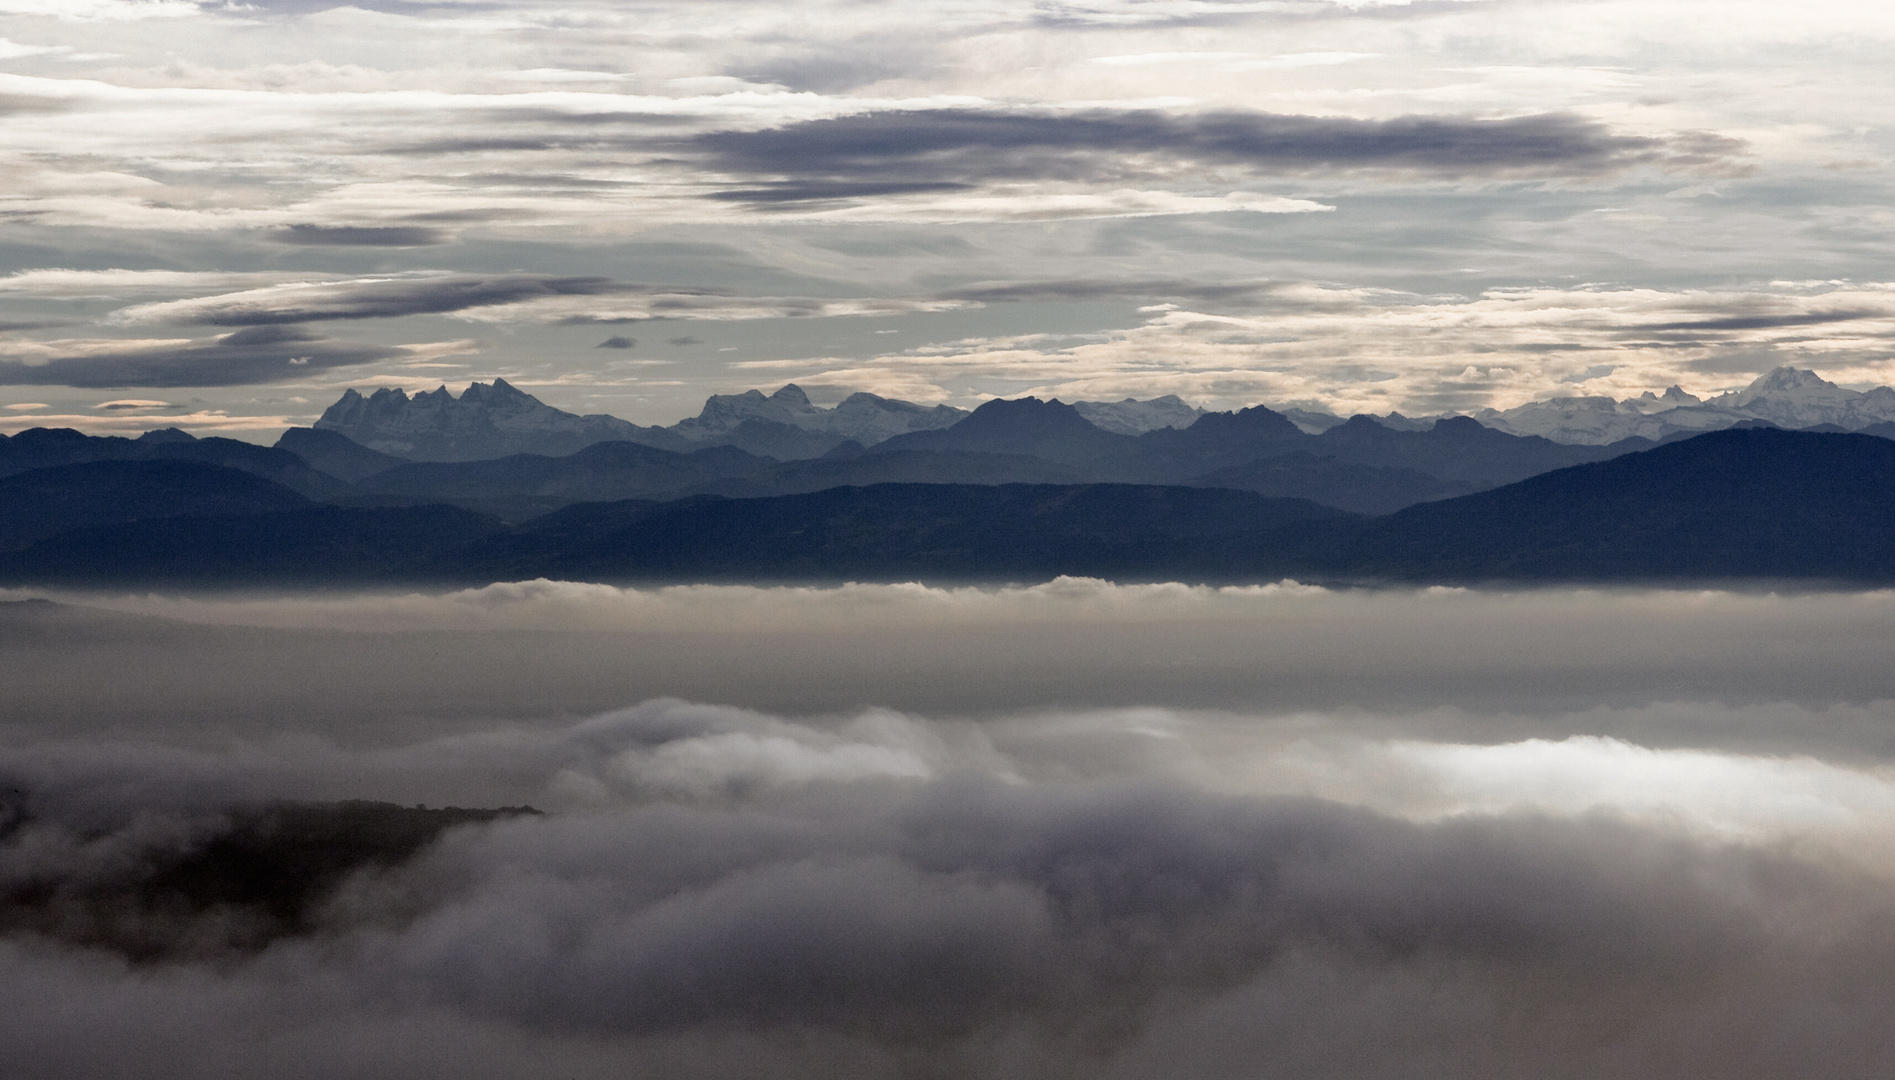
<point x="1346" y="485"/>
<point x="882" y="532"/>
<point x="526" y="485"/>
<point x="1216" y="441"/>
<point x="39" y="448"/>
<point x="336" y="454"/>
<point x="1757" y="503"/>
<point x="784" y="442"/>
<point x="1027" y="427"/>
<point x="324" y="545"/>
<point x="45" y="502"/>
<point x="906" y="531"/>
<point x="897" y="467"/>
<point x="1735" y="504"/>
<point x="1359" y="465"/>
<point x="1460" y="449"/>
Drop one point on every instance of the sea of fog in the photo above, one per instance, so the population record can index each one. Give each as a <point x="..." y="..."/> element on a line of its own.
<point x="1069" y="830"/>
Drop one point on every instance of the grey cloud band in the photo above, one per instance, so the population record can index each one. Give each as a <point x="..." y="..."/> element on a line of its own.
<point x="874" y="153"/>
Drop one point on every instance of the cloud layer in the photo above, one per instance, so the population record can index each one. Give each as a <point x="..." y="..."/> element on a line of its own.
<point x="1461" y="189"/>
<point x="720" y="892"/>
<point x="1106" y="831"/>
<point x="959" y="147"/>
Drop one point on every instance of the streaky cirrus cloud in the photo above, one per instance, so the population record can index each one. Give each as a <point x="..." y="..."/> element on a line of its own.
<point x="256" y="354"/>
<point x="364" y="298"/>
<point x="397" y="236"/>
<point x="502" y="298"/>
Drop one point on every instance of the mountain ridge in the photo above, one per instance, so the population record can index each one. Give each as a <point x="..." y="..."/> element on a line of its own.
<point x="1745" y="505"/>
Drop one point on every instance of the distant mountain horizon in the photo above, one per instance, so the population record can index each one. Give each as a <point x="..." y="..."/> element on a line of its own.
<point x="498" y="450"/>
<point x="1740" y="505"/>
<point x="491" y="420"/>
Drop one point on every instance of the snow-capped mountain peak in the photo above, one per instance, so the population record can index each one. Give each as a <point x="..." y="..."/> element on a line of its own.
<point x="1787" y="397"/>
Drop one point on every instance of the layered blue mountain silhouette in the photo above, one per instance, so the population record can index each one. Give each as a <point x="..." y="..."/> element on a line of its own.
<point x="1015" y="490"/>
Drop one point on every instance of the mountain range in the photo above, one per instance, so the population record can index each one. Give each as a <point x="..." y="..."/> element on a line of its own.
<point x="1015" y="488"/>
<point x="491" y="420"/>
<point x="1786" y="397"/>
<point x="1743" y="504"/>
<point x="1361" y="465"/>
<point x="494" y="420"/>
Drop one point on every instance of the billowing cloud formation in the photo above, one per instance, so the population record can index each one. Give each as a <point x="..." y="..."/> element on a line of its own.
<point x="1498" y="835"/>
<point x="1070" y="895"/>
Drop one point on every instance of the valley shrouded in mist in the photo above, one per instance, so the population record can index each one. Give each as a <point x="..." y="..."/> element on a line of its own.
<point x="1076" y="829"/>
<point x="982" y="540"/>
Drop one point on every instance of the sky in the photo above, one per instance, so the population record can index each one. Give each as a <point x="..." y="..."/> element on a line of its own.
<point x="220" y="215"/>
<point x="888" y="832"/>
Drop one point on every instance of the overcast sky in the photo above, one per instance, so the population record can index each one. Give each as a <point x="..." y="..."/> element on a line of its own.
<point x="221" y="215"/>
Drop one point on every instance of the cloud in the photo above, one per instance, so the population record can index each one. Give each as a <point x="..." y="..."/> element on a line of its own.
<point x="102" y="10"/>
<point x="966" y="146"/>
<point x="1142" y="290"/>
<point x="795" y="191"/>
<point x="363" y="298"/>
<point x="1792" y="674"/>
<point x="53" y="283"/>
<point x="1231" y="344"/>
<point x="503" y="298"/>
<point x="258" y="354"/>
<point x="1566" y="830"/>
<point x="618" y="342"/>
<point x="1001" y="205"/>
<point x="199" y="421"/>
<point x="361" y="236"/>
<point x="1074" y="894"/>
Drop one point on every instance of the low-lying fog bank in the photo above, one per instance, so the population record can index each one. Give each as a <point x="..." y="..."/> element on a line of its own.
<point x="718" y="892"/>
<point x="383" y="669"/>
<point x="1073" y="830"/>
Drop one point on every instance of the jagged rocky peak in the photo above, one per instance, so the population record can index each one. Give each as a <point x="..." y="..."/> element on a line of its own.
<point x="1673" y="396"/>
<point x="1134" y="417"/>
<point x="864" y="418"/>
<point x="1783" y="380"/>
<point x="1795" y="398"/>
<point x="499" y="392"/>
<point x="488" y="420"/>
<point x="1786" y="397"/>
<point x="1310" y="421"/>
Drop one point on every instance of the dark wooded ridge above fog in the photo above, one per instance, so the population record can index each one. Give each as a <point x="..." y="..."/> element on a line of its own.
<point x="1016" y="490"/>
